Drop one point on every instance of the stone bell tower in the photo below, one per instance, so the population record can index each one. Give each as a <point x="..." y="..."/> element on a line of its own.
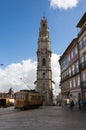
<point x="44" y="73"/>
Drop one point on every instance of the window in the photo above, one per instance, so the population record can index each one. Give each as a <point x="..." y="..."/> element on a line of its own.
<point x="70" y="83"/>
<point x="49" y="59"/>
<point x="68" y="58"/>
<point x="78" y="81"/>
<point x="74" y="82"/>
<point x="82" y="59"/>
<point x="71" y="54"/>
<point x="73" y="69"/>
<point x="83" y="76"/>
<point x="43" y="75"/>
<point x="20" y="96"/>
<point x="67" y="74"/>
<point x="70" y="71"/>
<point x="77" y="66"/>
<point x="43" y="62"/>
<point x="80" y="45"/>
<point x="76" y="50"/>
<point x="43" y="24"/>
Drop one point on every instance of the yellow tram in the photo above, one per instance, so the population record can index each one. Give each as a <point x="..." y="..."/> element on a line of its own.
<point x="27" y="98"/>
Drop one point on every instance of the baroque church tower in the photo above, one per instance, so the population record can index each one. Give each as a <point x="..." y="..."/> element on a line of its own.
<point x="44" y="73"/>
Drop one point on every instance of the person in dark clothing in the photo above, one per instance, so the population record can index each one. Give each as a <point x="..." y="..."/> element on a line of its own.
<point x="79" y="104"/>
<point x="85" y="105"/>
<point x="72" y="105"/>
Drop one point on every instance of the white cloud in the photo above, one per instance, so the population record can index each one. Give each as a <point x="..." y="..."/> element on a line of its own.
<point x="18" y="76"/>
<point x="22" y="75"/>
<point x="55" y="72"/>
<point x="64" y="4"/>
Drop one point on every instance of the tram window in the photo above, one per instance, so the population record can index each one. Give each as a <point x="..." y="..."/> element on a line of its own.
<point x="35" y="97"/>
<point x="20" y="96"/>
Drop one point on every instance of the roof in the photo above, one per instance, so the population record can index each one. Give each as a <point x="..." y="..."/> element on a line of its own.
<point x="24" y="90"/>
<point x="82" y="20"/>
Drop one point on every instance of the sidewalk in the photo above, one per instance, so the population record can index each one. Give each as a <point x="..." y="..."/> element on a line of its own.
<point x="76" y="109"/>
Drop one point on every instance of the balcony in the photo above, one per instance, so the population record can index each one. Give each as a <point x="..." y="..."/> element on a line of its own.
<point x="83" y="65"/>
<point x="83" y="84"/>
<point x="68" y="76"/>
<point x="65" y="78"/>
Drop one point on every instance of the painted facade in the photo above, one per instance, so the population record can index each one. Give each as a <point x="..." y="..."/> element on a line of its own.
<point x="82" y="53"/>
<point x="73" y="66"/>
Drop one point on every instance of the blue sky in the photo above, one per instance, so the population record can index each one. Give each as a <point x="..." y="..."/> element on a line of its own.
<point x="20" y="23"/>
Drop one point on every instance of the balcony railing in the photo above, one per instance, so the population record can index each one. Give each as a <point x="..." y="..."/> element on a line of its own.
<point x="73" y="73"/>
<point x="83" y="84"/>
<point x="83" y="65"/>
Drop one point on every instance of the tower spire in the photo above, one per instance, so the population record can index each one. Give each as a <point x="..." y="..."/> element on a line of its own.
<point x="44" y="72"/>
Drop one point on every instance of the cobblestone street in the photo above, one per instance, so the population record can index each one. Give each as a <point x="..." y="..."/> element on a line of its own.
<point x="44" y="118"/>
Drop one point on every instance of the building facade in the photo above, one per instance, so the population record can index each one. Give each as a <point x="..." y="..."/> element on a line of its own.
<point x="73" y="66"/>
<point x="44" y="72"/>
<point x="82" y="53"/>
<point x="70" y="77"/>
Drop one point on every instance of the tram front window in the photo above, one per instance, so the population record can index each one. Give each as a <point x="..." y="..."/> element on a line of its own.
<point x="20" y="96"/>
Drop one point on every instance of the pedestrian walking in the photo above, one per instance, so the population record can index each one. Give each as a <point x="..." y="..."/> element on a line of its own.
<point x="82" y="104"/>
<point x="79" y="104"/>
<point x="72" y="105"/>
